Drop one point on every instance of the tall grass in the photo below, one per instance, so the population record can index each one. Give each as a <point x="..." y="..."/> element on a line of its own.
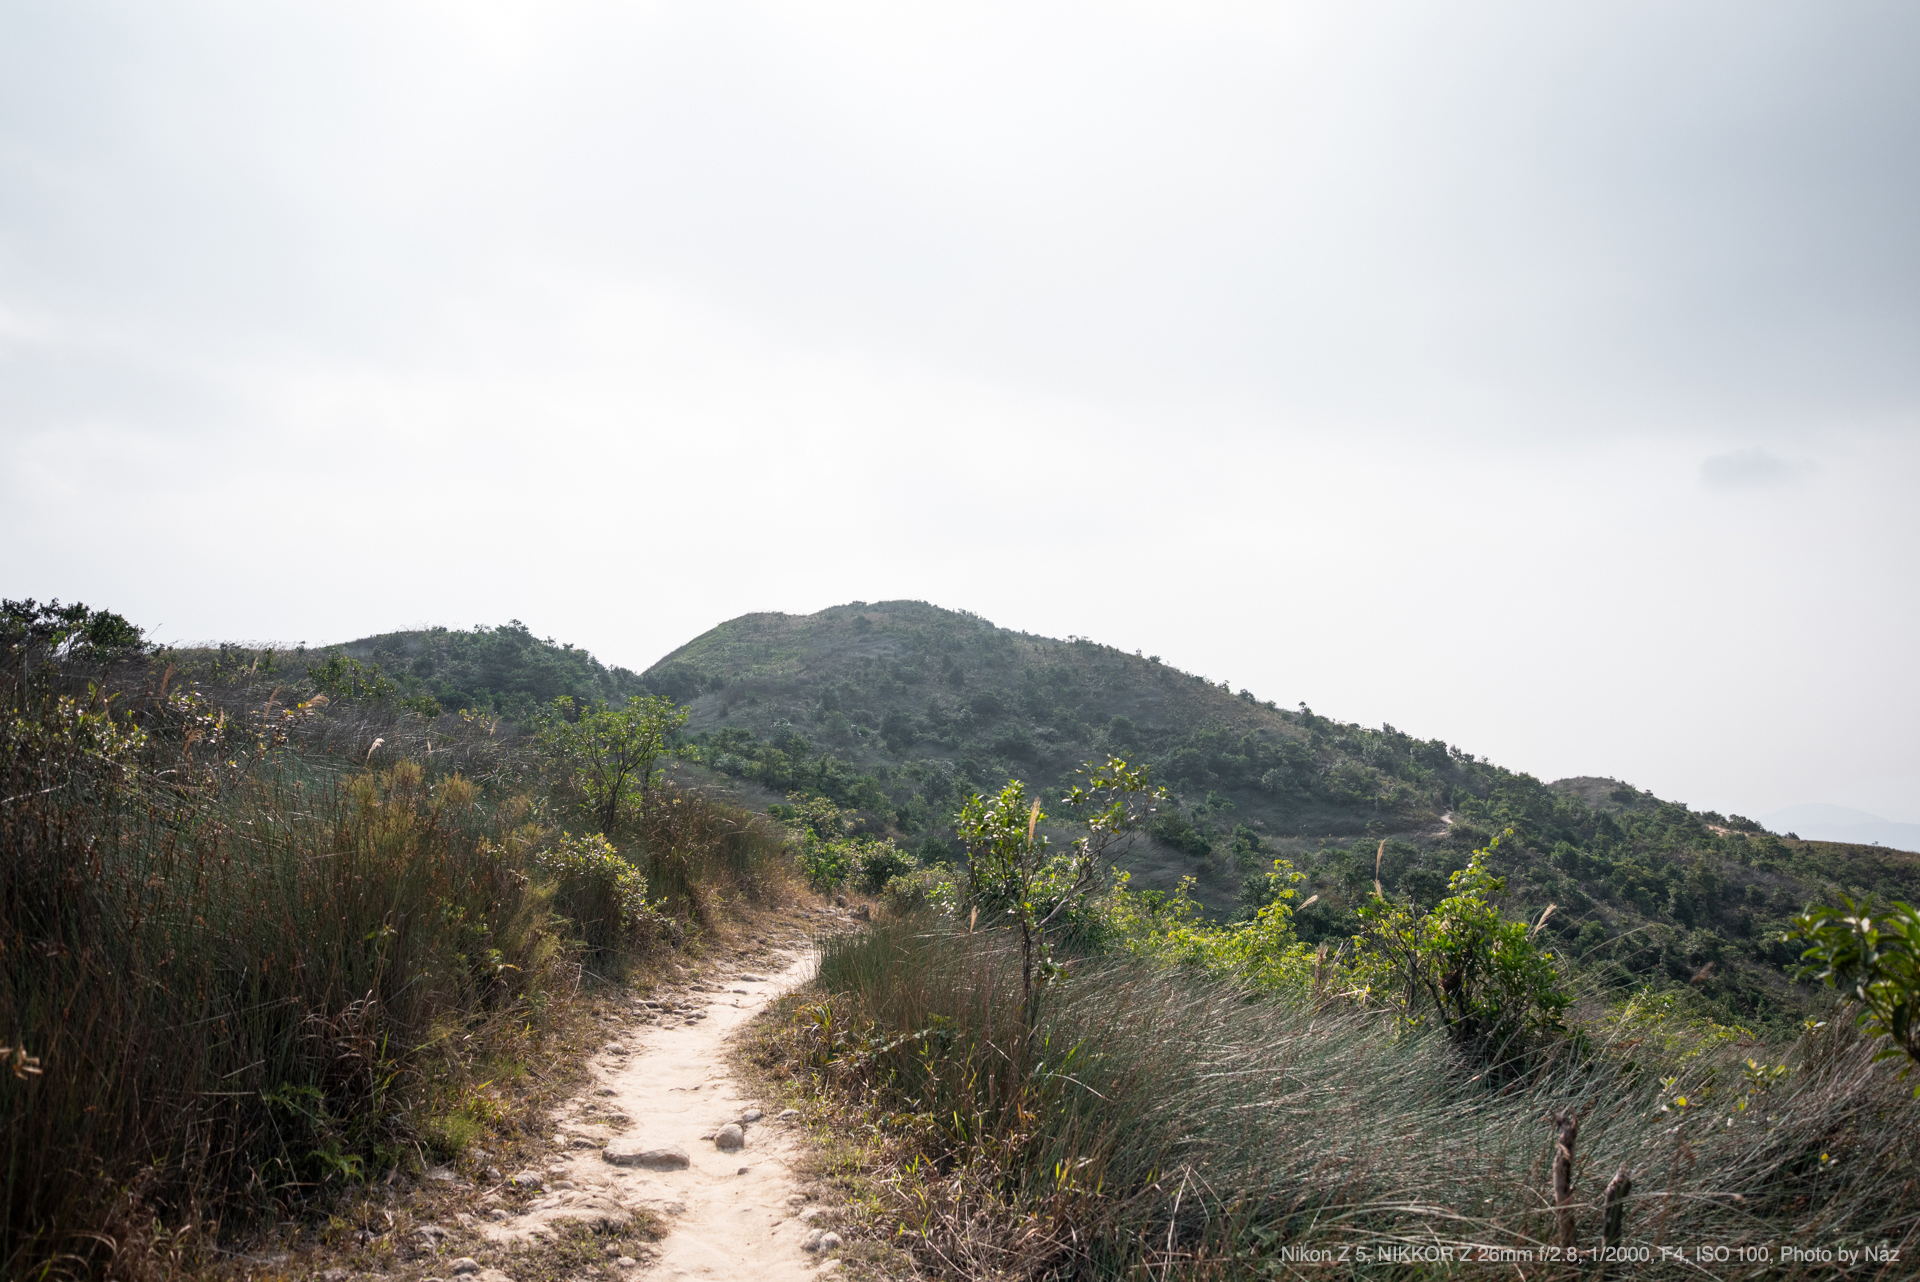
<point x="242" y="960"/>
<point x="1166" y="1124"/>
<point x="222" y="992"/>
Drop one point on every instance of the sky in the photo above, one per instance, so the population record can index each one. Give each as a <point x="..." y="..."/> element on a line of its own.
<point x="1541" y="378"/>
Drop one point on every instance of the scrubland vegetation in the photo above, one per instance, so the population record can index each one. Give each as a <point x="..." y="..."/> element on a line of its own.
<point x="898" y="711"/>
<point x="274" y="925"/>
<point x="1442" y="1093"/>
<point x="263" y="944"/>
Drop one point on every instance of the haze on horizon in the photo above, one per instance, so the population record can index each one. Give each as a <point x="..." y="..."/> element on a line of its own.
<point x="1538" y="378"/>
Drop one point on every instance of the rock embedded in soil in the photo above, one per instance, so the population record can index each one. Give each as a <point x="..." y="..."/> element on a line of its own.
<point x="633" y="1152"/>
<point x="527" y="1180"/>
<point x="465" y="1264"/>
<point x="751" y="1115"/>
<point x="730" y="1138"/>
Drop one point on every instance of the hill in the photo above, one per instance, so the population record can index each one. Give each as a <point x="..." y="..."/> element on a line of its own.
<point x="505" y="669"/>
<point x="900" y="709"/>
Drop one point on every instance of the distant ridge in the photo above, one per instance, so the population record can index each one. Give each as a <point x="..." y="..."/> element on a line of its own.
<point x="1818" y="821"/>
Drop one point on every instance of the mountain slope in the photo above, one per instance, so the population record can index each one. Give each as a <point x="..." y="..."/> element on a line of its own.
<point x="902" y="708"/>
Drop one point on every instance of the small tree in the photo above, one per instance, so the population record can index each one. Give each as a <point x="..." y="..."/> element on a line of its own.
<point x="609" y="753"/>
<point x="1875" y="961"/>
<point x="1010" y="870"/>
<point x="1487" y="980"/>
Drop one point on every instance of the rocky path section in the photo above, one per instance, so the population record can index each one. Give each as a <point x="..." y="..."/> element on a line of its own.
<point x="663" y="1127"/>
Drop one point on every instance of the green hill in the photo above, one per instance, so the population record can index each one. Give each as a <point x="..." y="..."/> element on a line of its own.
<point x="505" y="669"/>
<point x="900" y="709"/>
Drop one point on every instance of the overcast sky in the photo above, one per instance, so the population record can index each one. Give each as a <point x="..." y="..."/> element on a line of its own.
<point x="1543" y="378"/>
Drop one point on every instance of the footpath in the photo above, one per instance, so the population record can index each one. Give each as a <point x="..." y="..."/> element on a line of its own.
<point x="662" y="1129"/>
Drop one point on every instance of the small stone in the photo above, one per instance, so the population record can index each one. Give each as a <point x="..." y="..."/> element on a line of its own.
<point x="812" y="1243"/>
<point x="581" y="1141"/>
<point x="625" y="1262"/>
<point x="603" y="1090"/>
<point x="615" y="1048"/>
<point x="527" y="1180"/>
<point x="442" y="1173"/>
<point x="432" y="1232"/>
<point x="335" y="1275"/>
<point x="751" y="1115"/>
<point x="787" y="1115"/>
<point x="465" y="1264"/>
<point x="752" y="979"/>
<point x="830" y="1242"/>
<point x="730" y="1138"/>
<point x="630" y="1152"/>
<point x="742" y="1171"/>
<point x="497" y="1215"/>
<point x="809" y="1215"/>
<point x="493" y="1173"/>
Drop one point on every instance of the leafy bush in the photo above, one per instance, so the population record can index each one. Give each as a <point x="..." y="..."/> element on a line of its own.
<point x="1875" y="961"/>
<point x="879" y="862"/>
<point x="603" y="894"/>
<point x="1482" y="976"/>
<point x="606" y="755"/>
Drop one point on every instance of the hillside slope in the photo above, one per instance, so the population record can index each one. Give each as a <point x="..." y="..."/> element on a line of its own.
<point x="902" y="708"/>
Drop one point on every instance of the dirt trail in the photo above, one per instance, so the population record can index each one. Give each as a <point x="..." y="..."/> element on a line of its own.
<point x="661" y="1085"/>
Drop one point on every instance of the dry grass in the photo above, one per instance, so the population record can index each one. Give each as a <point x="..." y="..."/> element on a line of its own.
<point x="1170" y="1126"/>
<point x="266" y="959"/>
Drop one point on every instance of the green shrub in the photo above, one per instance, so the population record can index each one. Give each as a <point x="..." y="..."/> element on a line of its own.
<point x="603" y="894"/>
<point x="1874" y="960"/>
<point x="879" y="862"/>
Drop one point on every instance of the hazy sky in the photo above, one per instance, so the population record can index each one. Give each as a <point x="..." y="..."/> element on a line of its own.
<point x="1544" y="378"/>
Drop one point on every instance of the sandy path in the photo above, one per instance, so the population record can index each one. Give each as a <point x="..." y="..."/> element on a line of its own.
<point x="664" y="1085"/>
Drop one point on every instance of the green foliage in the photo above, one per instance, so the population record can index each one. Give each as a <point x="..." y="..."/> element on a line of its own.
<point x="1009" y="870"/>
<point x="607" y="755"/>
<point x="31" y="632"/>
<point x="340" y="677"/>
<point x="903" y="710"/>
<point x="1482" y="976"/>
<point x="1874" y="959"/>
<point x="603" y="894"/>
<point x="504" y="670"/>
<point x="1263" y="952"/>
<point x="830" y="854"/>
